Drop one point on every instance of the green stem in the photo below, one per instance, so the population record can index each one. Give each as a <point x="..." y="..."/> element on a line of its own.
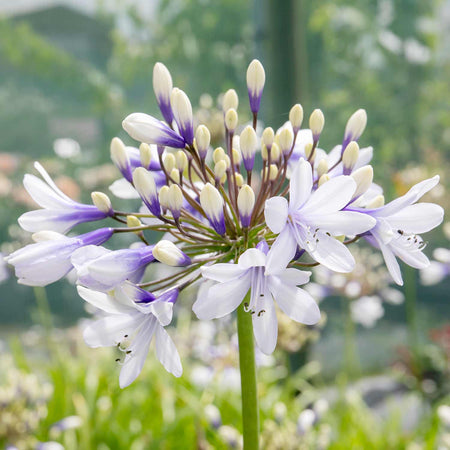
<point x="250" y="412"/>
<point x="351" y="352"/>
<point x="411" y="311"/>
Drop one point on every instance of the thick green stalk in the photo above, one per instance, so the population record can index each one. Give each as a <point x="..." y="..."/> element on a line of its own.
<point x="250" y="412"/>
<point x="351" y="350"/>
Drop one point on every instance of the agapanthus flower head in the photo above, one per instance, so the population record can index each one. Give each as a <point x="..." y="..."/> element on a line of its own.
<point x="240" y="223"/>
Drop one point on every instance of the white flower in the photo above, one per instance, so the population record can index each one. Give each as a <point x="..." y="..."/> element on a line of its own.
<point x="234" y="281"/>
<point x="311" y="218"/>
<point x="133" y="317"/>
<point x="367" y="310"/>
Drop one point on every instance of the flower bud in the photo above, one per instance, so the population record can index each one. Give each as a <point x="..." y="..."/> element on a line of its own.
<point x="231" y="120"/>
<point x="202" y="139"/>
<point x="246" y="203"/>
<point x="218" y="154"/>
<point x="145" y="185"/>
<point x="162" y="86"/>
<point x="256" y="78"/>
<point x="102" y="202"/>
<point x="376" y="202"/>
<point x="363" y="177"/>
<point x="285" y="140"/>
<point x="182" y="111"/>
<point x="355" y="127"/>
<point x="275" y="152"/>
<point x="323" y="179"/>
<point x="120" y="158"/>
<point x="268" y="136"/>
<point x="164" y="196"/>
<point x="350" y="157"/>
<point x="175" y="200"/>
<point x="237" y="156"/>
<point x="230" y="100"/>
<point x="227" y="160"/>
<point x="175" y="175"/>
<point x="181" y="160"/>
<point x="220" y="169"/>
<point x="322" y="167"/>
<point x="316" y="123"/>
<point x="296" y="117"/>
<point x="264" y="152"/>
<point x="146" y="155"/>
<point x="273" y="172"/>
<point x="212" y="204"/>
<point x="308" y="149"/>
<point x="169" y="162"/>
<point x="168" y="253"/>
<point x="133" y="222"/>
<point x="239" y="179"/>
<point x="248" y="142"/>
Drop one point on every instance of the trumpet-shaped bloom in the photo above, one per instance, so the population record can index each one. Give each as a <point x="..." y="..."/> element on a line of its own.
<point x="311" y="218"/>
<point x="398" y="224"/>
<point x="235" y="280"/>
<point x="60" y="213"/>
<point x="48" y="260"/>
<point x="133" y="317"/>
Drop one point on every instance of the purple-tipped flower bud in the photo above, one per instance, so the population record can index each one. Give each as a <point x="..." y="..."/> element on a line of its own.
<point x="182" y="111"/>
<point x="231" y="120"/>
<point x="246" y="203"/>
<point x="120" y="158"/>
<point x="145" y="185"/>
<point x="285" y="140"/>
<point x="350" y="157"/>
<point x="316" y="123"/>
<point x="355" y="127"/>
<point x="162" y="86"/>
<point x="175" y="199"/>
<point x="212" y="204"/>
<point x="102" y="202"/>
<point x="202" y="140"/>
<point x="256" y="78"/>
<point x="296" y="117"/>
<point x="230" y="100"/>
<point x="168" y="253"/>
<point x="248" y="142"/>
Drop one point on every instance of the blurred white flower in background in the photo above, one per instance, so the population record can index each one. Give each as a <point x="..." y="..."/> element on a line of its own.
<point x="367" y="310"/>
<point x="66" y="148"/>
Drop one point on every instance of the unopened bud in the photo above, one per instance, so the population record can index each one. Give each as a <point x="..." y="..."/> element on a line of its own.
<point x="246" y="203"/>
<point x="162" y="86"/>
<point x="175" y="175"/>
<point x="264" y="152"/>
<point x="237" y="157"/>
<point x="256" y="78"/>
<point x="182" y="111"/>
<point x="212" y="203"/>
<point x="164" y="196"/>
<point x="227" y="160"/>
<point x="146" y="155"/>
<point x="249" y="143"/>
<point x="168" y="253"/>
<point x="350" y="157"/>
<point x="273" y="172"/>
<point x="239" y="179"/>
<point x="218" y="154"/>
<point x="231" y="120"/>
<point x="285" y="140"/>
<point x="363" y="177"/>
<point x="181" y="160"/>
<point x="355" y="126"/>
<point x="275" y="152"/>
<point x="268" y="136"/>
<point x="202" y="139"/>
<point x="377" y="202"/>
<point x="120" y="158"/>
<point x="316" y="123"/>
<point x="220" y="169"/>
<point x="102" y="202"/>
<point x="175" y="198"/>
<point x="145" y="185"/>
<point x="308" y="149"/>
<point x="296" y="117"/>
<point x="322" y="167"/>
<point x="133" y="222"/>
<point x="323" y="179"/>
<point x="169" y="162"/>
<point x="230" y="100"/>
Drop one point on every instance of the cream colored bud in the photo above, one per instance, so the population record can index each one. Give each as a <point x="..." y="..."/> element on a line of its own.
<point x="273" y="172"/>
<point x="356" y="125"/>
<point x="202" y="140"/>
<point x="376" y="202"/>
<point x="181" y="160"/>
<point x="164" y="196"/>
<point x="220" y="169"/>
<point x="239" y="179"/>
<point x="248" y="141"/>
<point x="275" y="152"/>
<point x="246" y="203"/>
<point x="268" y="136"/>
<point x="144" y="183"/>
<point x="219" y="153"/>
<point x="146" y="155"/>
<point x="322" y="167"/>
<point x="363" y="177"/>
<point x="237" y="157"/>
<point x="101" y="202"/>
<point x="181" y="106"/>
<point x="256" y="78"/>
<point x="231" y="119"/>
<point x="340" y="238"/>
<point x="230" y="100"/>
<point x="350" y="155"/>
<point x="211" y="201"/>
<point x="168" y="253"/>
<point x="175" y="198"/>
<point x="308" y="149"/>
<point x="316" y="123"/>
<point x="285" y="140"/>
<point x="227" y="160"/>
<point x="133" y="222"/>
<point x="169" y="162"/>
<point x="264" y="152"/>
<point x="323" y="179"/>
<point x="296" y="116"/>
<point x="118" y="153"/>
<point x="175" y="175"/>
<point x="162" y="82"/>
<point x="236" y="142"/>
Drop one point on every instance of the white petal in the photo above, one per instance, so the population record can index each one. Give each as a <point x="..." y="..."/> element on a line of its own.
<point x="265" y="324"/>
<point x="294" y="277"/>
<point x="300" y="185"/>
<point x="43" y="194"/>
<point x="104" y="301"/>
<point x="222" y="298"/>
<point x="276" y="213"/>
<point x="121" y="188"/>
<point x="295" y="302"/>
<point x="333" y="254"/>
<point x="50" y="182"/>
<point x="45" y="219"/>
<point x="222" y="272"/>
<point x="167" y="352"/>
<point x="281" y="252"/>
<point x="252" y="258"/>
<point x="414" y="258"/>
<point x="163" y="311"/>
<point x="391" y="262"/>
<point x="343" y="222"/>
<point x="332" y="196"/>
<point x="418" y="218"/>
